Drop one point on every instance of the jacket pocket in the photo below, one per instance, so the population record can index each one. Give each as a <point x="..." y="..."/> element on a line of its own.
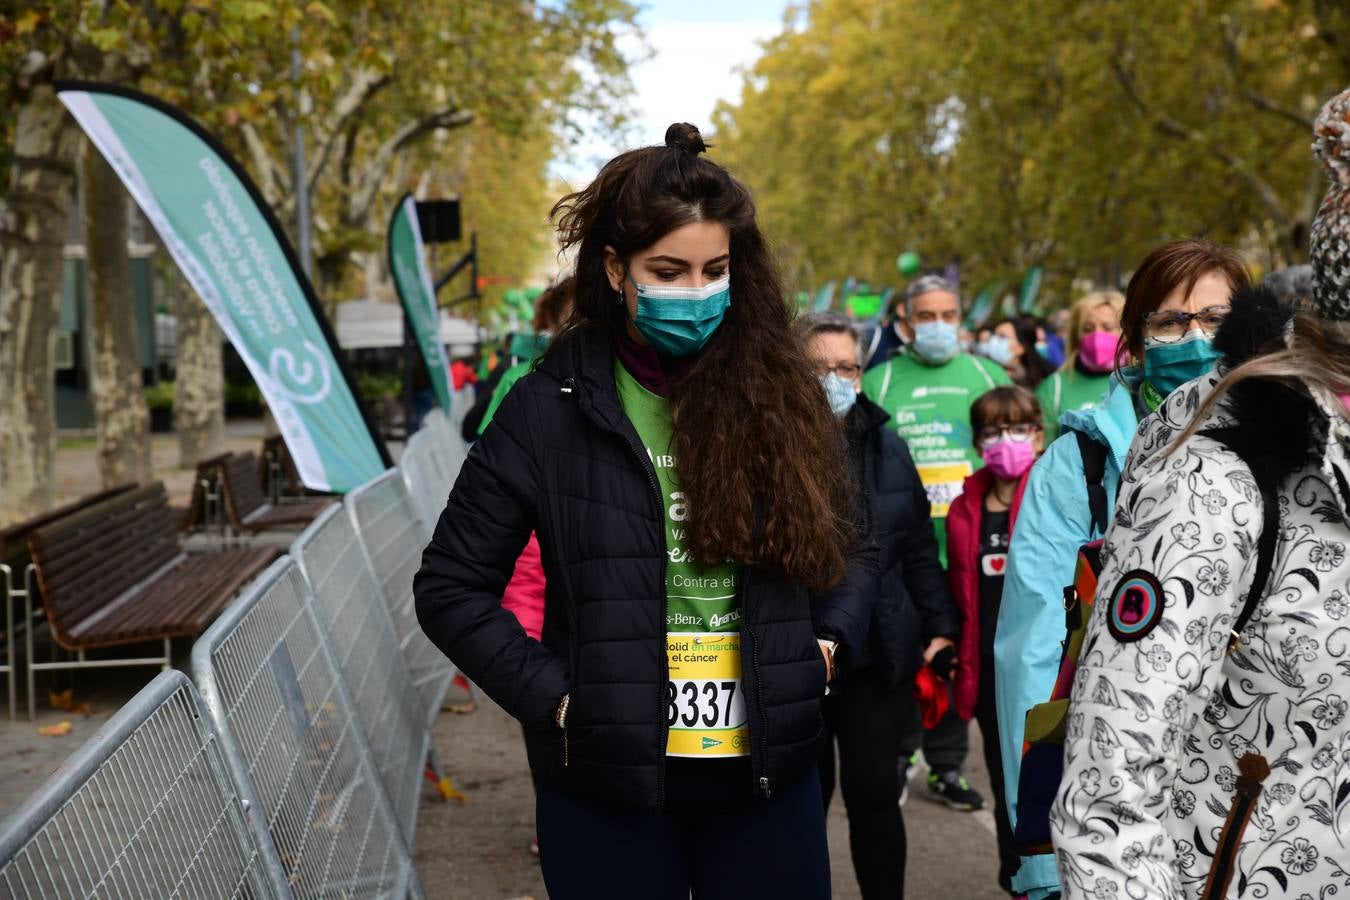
<point x="1253" y="769"/>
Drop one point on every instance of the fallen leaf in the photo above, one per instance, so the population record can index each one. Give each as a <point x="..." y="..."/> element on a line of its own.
<point x="61" y="699"/>
<point x="60" y="729"/>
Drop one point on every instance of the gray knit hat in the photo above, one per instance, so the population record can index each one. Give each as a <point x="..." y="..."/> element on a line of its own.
<point x="1330" y="250"/>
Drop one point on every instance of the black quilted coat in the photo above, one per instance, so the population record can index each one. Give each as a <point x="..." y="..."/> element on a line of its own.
<point x="560" y="458"/>
<point x="913" y="604"/>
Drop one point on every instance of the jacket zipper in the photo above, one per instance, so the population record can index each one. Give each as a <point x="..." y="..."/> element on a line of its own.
<point x="759" y="686"/>
<point x="569" y="389"/>
<point x="665" y="656"/>
<point x="1254" y="770"/>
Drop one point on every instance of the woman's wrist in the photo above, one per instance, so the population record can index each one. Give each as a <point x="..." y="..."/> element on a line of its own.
<point x="827" y="648"/>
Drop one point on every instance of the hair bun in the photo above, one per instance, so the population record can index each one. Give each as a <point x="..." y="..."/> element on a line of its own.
<point x="1331" y="137"/>
<point x="686" y="137"/>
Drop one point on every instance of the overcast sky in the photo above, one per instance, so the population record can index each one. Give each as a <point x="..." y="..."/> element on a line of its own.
<point x="697" y="47"/>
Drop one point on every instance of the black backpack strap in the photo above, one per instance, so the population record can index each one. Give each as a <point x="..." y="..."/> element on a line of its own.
<point x="1094" y="472"/>
<point x="1233" y="438"/>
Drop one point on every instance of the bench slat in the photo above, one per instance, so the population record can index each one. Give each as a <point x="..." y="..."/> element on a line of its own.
<point x="114" y="574"/>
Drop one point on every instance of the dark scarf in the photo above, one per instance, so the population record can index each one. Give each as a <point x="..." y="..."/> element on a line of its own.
<point x="654" y="371"/>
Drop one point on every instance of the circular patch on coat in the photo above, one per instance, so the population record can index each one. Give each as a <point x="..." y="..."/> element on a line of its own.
<point x="1136" y="606"/>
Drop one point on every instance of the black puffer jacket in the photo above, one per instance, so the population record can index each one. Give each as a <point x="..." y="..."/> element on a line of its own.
<point x="913" y="605"/>
<point x="560" y="458"/>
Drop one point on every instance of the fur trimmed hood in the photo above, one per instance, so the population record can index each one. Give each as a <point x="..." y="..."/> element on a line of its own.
<point x="1285" y="419"/>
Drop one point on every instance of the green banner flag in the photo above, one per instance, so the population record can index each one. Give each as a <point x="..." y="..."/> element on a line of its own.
<point x="1031" y="287"/>
<point x="982" y="306"/>
<point x="231" y="249"/>
<point x="408" y="264"/>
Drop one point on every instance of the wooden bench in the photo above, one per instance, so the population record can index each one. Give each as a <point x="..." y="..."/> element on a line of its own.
<point x="277" y="472"/>
<point x="114" y="574"/>
<point x="205" y="489"/>
<point x="247" y="508"/>
<point x="16" y="566"/>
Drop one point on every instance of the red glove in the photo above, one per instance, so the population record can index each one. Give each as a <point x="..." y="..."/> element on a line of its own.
<point x="930" y="692"/>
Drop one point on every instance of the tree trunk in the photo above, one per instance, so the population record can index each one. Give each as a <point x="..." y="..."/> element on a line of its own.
<point x="199" y="389"/>
<point x="121" y="415"/>
<point x="37" y="206"/>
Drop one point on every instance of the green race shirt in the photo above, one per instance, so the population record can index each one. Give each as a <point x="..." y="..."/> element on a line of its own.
<point x="705" y="705"/>
<point x="504" y="385"/>
<point x="929" y="407"/>
<point x="1069" y="389"/>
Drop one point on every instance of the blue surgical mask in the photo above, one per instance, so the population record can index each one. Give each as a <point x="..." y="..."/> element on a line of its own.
<point x="936" y="342"/>
<point x="999" y="349"/>
<point x="840" y="392"/>
<point x="678" y="321"/>
<point x="1169" y="366"/>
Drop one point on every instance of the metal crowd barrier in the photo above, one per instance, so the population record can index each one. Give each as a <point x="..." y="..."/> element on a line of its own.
<point x="393" y="537"/>
<point x="294" y="746"/>
<point x="144" y="809"/>
<point x="357" y="625"/>
<point x="449" y="444"/>
<point x="428" y="482"/>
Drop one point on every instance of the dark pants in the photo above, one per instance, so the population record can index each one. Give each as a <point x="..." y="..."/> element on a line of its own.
<point x="756" y="848"/>
<point x="866" y="719"/>
<point x="986" y="713"/>
<point x="944" y="747"/>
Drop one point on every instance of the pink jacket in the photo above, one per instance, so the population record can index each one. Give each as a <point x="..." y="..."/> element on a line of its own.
<point x="524" y="595"/>
<point x="963" y="577"/>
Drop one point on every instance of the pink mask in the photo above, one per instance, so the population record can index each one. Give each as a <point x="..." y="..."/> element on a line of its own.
<point x="1009" y="459"/>
<point x="1100" y="351"/>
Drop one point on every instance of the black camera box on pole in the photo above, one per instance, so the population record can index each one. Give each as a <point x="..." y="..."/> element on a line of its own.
<point x="438" y="220"/>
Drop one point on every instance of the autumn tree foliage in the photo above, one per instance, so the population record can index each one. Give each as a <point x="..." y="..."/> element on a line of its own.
<point x="1068" y="134"/>
<point x="473" y="98"/>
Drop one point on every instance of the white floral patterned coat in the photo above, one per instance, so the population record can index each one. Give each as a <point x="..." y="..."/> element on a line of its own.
<point x="1161" y="713"/>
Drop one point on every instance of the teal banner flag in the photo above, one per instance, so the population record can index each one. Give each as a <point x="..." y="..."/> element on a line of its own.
<point x="1031" y="289"/>
<point x="982" y="306"/>
<point x="233" y="252"/>
<point x="408" y="265"/>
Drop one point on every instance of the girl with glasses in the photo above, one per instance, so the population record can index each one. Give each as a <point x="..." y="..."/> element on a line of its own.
<point x="1006" y="423"/>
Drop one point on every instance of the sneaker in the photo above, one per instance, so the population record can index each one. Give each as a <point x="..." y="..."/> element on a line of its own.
<point x="913" y="764"/>
<point x="910" y="766"/>
<point x="952" y="789"/>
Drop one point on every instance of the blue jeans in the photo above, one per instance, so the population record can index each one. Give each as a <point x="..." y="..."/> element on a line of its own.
<point x="754" y="848"/>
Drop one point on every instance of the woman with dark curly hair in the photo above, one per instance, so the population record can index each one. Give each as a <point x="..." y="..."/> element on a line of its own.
<point x="682" y="467"/>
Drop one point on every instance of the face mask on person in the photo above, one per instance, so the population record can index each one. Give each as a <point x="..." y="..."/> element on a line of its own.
<point x="678" y="321"/>
<point x="1009" y="459"/>
<point x="999" y="349"/>
<point x="1100" y="351"/>
<point x="1169" y="366"/>
<point x="840" y="392"/>
<point x="936" y="342"/>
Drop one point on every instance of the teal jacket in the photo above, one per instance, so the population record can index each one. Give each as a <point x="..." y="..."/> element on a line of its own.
<point x="1053" y="523"/>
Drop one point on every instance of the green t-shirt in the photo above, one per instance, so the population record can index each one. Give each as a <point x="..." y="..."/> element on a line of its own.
<point x="504" y="385"/>
<point x="929" y="407"/>
<point x="1069" y="389"/>
<point x="705" y="705"/>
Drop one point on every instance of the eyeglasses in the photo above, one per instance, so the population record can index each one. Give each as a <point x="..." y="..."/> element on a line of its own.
<point x="992" y="434"/>
<point x="843" y="370"/>
<point x="1169" y="326"/>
